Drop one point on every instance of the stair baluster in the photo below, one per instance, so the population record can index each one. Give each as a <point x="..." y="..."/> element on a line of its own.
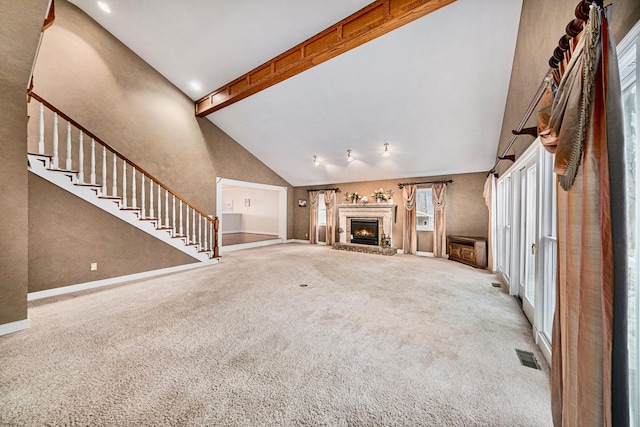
<point x="173" y="216"/>
<point x="41" y="130"/>
<point x="206" y="244"/>
<point x="68" y="163"/>
<point x="54" y="159"/>
<point x="159" y="222"/>
<point x="81" y="160"/>
<point x="194" y="226"/>
<point x="166" y="208"/>
<point x="187" y="224"/>
<point x="151" y="211"/>
<point x="181" y="232"/>
<point x="93" y="161"/>
<point x="124" y="185"/>
<point x="114" y="186"/>
<point x="104" y="171"/>
<point x="143" y="205"/>
<point x="134" y="200"/>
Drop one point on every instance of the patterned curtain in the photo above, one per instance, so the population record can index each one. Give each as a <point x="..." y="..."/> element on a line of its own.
<point x="490" y="200"/>
<point x="313" y="217"/>
<point x="439" y="195"/>
<point x="409" y="238"/>
<point x="330" y="202"/>
<point x="583" y="127"/>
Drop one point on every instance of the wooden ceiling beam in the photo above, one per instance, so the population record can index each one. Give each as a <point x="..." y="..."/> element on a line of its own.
<point x="370" y="22"/>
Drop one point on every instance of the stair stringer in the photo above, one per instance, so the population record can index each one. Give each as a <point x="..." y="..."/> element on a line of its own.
<point x="39" y="165"/>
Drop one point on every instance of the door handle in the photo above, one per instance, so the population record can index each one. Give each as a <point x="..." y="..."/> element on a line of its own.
<point x="533" y="248"/>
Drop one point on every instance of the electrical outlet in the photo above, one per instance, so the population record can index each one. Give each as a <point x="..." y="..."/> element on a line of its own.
<point x="306" y="234"/>
<point x="94" y="266"/>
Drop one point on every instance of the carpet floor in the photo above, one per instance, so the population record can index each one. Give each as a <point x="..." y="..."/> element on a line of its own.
<point x="369" y="341"/>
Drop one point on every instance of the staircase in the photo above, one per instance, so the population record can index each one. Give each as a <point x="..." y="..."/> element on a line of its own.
<point x="100" y="175"/>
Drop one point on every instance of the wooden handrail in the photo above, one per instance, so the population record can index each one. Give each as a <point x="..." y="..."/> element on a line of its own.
<point x="116" y="152"/>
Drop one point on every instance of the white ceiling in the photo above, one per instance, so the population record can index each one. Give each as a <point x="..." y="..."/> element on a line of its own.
<point x="435" y="89"/>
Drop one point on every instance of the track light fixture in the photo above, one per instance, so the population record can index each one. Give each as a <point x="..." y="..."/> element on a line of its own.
<point x="386" y="150"/>
<point x="316" y="162"/>
<point x="349" y="158"/>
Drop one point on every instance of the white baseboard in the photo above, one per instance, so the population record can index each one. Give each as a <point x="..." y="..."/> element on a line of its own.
<point x="429" y="254"/>
<point x="297" y="241"/>
<point x="19" y="325"/>
<point x="32" y="296"/>
<point x="425" y="254"/>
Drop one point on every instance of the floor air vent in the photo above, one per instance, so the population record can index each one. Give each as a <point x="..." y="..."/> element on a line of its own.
<point x="527" y="359"/>
<point x="495" y="285"/>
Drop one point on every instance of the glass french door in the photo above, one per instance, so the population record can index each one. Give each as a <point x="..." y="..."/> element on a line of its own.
<point x="528" y="247"/>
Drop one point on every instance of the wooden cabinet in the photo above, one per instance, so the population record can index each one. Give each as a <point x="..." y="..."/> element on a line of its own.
<point x="468" y="250"/>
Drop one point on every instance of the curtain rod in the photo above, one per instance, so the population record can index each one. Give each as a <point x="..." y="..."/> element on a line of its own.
<point x="572" y="29"/>
<point x="449" y="181"/>
<point x="337" y="190"/>
<point x="527" y="114"/>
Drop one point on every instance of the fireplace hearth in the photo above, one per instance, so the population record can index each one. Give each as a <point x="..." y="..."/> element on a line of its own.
<point x="364" y="231"/>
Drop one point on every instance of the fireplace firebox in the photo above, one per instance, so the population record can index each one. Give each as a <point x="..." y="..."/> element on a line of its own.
<point x="364" y="231"/>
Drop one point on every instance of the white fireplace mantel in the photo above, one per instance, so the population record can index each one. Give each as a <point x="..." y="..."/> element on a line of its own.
<point x="382" y="211"/>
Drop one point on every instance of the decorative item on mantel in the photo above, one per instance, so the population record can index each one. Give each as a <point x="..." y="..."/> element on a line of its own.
<point x="383" y="196"/>
<point x="354" y="197"/>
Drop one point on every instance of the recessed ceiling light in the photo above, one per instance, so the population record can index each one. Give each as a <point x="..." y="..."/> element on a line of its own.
<point x="105" y="7"/>
<point x="195" y="85"/>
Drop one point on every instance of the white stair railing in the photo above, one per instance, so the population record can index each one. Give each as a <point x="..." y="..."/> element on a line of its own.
<point x="186" y="222"/>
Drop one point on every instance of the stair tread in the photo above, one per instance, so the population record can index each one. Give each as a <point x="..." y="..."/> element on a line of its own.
<point x="88" y="185"/>
<point x="149" y="218"/>
<point x="40" y="155"/>
<point x="129" y="209"/>
<point x="63" y="170"/>
<point x="110" y="197"/>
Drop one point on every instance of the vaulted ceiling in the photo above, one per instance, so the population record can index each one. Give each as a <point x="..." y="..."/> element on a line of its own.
<point x="434" y="89"/>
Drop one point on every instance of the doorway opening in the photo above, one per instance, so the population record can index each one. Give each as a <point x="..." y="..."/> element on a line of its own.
<point x="251" y="214"/>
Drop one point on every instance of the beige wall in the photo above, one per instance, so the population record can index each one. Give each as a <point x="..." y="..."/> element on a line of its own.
<point x="261" y="216"/>
<point x="20" y="28"/>
<point x="466" y="212"/>
<point x="542" y="23"/>
<point x="95" y="79"/>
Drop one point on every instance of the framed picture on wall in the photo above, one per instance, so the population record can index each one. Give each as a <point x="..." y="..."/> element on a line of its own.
<point x="302" y="203"/>
<point x="227" y="206"/>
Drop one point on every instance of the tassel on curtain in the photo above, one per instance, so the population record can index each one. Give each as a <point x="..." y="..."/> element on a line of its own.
<point x="329" y="202"/>
<point x="313" y="217"/>
<point x="409" y="238"/>
<point x="584" y="128"/>
<point x="438" y="195"/>
<point x="490" y="200"/>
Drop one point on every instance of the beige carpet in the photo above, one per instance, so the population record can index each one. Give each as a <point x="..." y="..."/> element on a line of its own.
<point x="371" y="341"/>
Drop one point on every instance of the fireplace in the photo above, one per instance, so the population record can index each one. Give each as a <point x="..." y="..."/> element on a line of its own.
<point x="364" y="231"/>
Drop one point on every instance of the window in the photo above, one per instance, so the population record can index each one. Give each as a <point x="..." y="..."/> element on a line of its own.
<point x="322" y="210"/>
<point x="629" y="53"/>
<point x="424" y="210"/>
